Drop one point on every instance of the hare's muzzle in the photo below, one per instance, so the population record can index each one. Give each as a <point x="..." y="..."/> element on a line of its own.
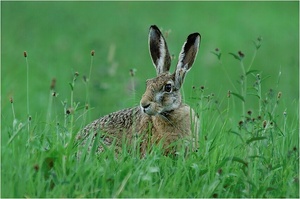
<point x="146" y="103"/>
<point x="146" y="107"/>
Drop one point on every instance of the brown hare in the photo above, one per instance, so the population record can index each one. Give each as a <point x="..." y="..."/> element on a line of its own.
<point x="162" y="117"/>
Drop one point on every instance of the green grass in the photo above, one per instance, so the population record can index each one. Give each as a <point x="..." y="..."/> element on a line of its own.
<point x="249" y="139"/>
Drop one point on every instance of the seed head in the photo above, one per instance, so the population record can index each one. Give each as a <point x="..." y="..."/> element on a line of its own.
<point x="53" y="83"/>
<point x="68" y="112"/>
<point x="29" y="118"/>
<point x="258" y="76"/>
<point x="241" y="123"/>
<point x="76" y="74"/>
<point x="54" y="94"/>
<point x="279" y="95"/>
<point x="249" y="112"/>
<point x="284" y="113"/>
<point x="241" y="54"/>
<point x="92" y="52"/>
<point x="132" y="72"/>
<point x="36" y="167"/>
<point x="218" y="53"/>
<point x="264" y="123"/>
<point x="259" y="38"/>
<point x="202" y="87"/>
<point x="228" y="93"/>
<point x="25" y="54"/>
<point x="294" y="148"/>
<point x="11" y="100"/>
<point x="86" y="106"/>
<point x="208" y="98"/>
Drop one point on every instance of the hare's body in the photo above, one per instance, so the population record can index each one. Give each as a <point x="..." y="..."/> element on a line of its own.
<point x="161" y="116"/>
<point x="132" y="123"/>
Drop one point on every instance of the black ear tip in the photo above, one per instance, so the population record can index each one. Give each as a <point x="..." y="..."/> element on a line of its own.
<point x="154" y="31"/>
<point x="154" y="27"/>
<point x="194" y="36"/>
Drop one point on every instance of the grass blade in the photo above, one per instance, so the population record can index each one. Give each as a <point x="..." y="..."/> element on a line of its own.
<point x="256" y="139"/>
<point x="238" y="96"/>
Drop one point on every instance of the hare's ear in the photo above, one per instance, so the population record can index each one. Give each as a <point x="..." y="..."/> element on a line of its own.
<point x="159" y="50"/>
<point x="186" y="57"/>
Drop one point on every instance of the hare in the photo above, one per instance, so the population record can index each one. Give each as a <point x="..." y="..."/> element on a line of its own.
<point x="162" y="117"/>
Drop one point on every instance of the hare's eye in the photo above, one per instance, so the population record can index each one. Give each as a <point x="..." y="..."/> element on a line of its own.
<point x="168" y="88"/>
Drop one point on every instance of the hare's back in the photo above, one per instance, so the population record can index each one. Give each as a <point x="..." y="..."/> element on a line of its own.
<point x="114" y="122"/>
<point x="122" y="120"/>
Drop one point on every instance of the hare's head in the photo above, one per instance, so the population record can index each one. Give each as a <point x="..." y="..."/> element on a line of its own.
<point x="162" y="94"/>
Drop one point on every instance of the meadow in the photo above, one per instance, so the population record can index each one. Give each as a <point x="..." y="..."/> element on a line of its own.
<point x="64" y="64"/>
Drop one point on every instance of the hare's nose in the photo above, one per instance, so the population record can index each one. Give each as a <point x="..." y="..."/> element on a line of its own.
<point x="145" y="106"/>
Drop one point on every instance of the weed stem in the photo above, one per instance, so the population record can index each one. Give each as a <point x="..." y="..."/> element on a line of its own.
<point x="87" y="97"/>
<point x="252" y="60"/>
<point x="50" y="107"/>
<point x="13" y="109"/>
<point x="244" y="85"/>
<point x="27" y="95"/>
<point x="72" y="104"/>
<point x="27" y="85"/>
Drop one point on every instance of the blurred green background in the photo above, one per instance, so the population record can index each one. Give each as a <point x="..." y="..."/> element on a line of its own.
<point x="59" y="36"/>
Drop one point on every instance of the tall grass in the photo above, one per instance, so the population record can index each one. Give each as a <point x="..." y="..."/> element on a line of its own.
<point x="255" y="155"/>
<point x="27" y="96"/>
